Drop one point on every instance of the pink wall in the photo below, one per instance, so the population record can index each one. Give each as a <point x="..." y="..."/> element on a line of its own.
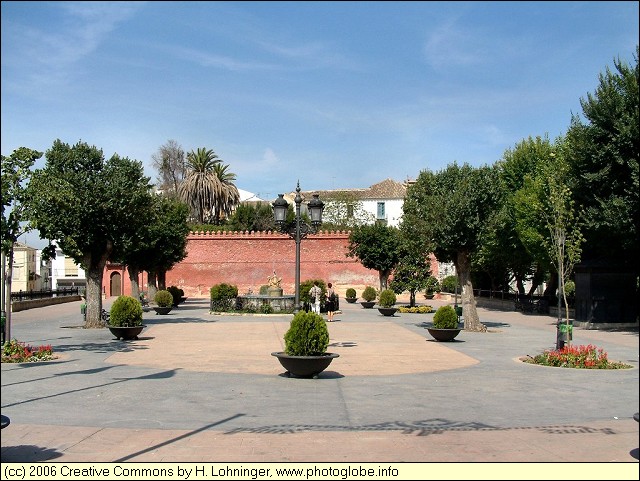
<point x="247" y="259"/>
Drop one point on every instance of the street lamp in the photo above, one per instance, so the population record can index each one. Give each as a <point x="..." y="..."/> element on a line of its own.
<point x="300" y="229"/>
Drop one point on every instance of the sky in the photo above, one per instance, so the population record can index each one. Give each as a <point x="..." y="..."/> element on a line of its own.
<point x="331" y="95"/>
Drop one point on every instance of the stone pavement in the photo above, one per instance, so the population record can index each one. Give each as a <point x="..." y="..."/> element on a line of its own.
<point x="198" y="387"/>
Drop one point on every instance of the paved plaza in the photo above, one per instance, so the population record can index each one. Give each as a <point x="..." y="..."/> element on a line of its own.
<point x="197" y="387"/>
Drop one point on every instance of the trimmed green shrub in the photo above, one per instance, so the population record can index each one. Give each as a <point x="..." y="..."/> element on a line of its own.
<point x="307" y="335"/>
<point x="445" y="318"/>
<point x="177" y="294"/>
<point x="369" y="294"/>
<point x="432" y="285"/>
<point x="449" y="284"/>
<point x="387" y="298"/>
<point x="163" y="298"/>
<point x="350" y="293"/>
<point x="126" y="311"/>
<point x="222" y="297"/>
<point x="264" y="289"/>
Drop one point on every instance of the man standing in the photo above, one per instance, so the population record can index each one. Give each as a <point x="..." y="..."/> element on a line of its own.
<point x="314" y="294"/>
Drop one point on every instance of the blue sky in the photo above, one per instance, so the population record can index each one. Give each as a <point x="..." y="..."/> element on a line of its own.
<point x="333" y="94"/>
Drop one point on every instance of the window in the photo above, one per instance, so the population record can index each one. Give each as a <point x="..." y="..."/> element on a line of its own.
<point x="70" y="267"/>
<point x="349" y="211"/>
<point x="381" y="214"/>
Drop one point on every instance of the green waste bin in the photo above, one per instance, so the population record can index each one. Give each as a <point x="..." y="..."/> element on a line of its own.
<point x="566" y="332"/>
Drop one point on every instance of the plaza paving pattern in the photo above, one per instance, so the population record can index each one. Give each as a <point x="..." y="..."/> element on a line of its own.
<point x="198" y="387"/>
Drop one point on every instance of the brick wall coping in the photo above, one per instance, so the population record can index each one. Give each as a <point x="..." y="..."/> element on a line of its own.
<point x="261" y="234"/>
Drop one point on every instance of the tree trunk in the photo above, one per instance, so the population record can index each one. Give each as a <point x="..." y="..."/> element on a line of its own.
<point x="162" y="279"/>
<point x="463" y="269"/>
<point x="412" y="298"/>
<point x="152" y="285"/>
<point x="133" y="277"/>
<point x="6" y="309"/>
<point x="95" y="272"/>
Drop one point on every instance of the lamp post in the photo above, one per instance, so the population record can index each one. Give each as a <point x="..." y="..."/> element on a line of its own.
<point x="300" y="229"/>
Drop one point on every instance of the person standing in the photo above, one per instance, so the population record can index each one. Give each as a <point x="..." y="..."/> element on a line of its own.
<point x="331" y="302"/>
<point x="314" y="294"/>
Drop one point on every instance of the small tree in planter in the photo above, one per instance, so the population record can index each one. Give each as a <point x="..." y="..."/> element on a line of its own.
<point x="432" y="286"/>
<point x="387" y="298"/>
<point x="125" y="318"/>
<point x="350" y="295"/>
<point x="445" y="324"/>
<point x="164" y="302"/>
<point x="126" y="311"/>
<point x="369" y="295"/>
<point x="387" y="302"/>
<point x="307" y="335"/>
<point x="306" y="343"/>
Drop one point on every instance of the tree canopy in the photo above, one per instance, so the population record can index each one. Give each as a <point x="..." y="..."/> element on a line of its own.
<point x="377" y="247"/>
<point x="92" y="208"/>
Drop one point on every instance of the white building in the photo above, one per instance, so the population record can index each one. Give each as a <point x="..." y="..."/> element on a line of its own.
<point x="66" y="273"/>
<point x="382" y="202"/>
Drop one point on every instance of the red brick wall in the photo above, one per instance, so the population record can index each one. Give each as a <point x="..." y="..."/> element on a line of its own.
<point x="247" y="259"/>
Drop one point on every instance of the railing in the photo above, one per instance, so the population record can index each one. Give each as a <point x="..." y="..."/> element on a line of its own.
<point x="45" y="293"/>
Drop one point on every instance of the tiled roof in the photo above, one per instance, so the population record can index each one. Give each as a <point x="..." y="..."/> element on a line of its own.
<point x="387" y="189"/>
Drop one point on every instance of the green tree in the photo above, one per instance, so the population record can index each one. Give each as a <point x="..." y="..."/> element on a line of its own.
<point x="252" y="216"/>
<point x="503" y="253"/>
<point x="377" y="247"/>
<point x="229" y="196"/>
<point x="413" y="270"/>
<point x="160" y="244"/>
<point x="16" y="173"/>
<point x="170" y="230"/>
<point x="603" y="156"/>
<point x="92" y="208"/>
<point x="449" y="209"/>
<point x="201" y="187"/>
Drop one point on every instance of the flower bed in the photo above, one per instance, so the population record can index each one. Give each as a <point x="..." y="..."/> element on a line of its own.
<point x="15" y="351"/>
<point x="416" y="309"/>
<point x="579" y="357"/>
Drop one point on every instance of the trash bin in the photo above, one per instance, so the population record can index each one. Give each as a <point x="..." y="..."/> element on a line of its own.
<point x="566" y="332"/>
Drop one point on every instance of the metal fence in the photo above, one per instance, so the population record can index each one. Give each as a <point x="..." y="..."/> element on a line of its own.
<point x="46" y="293"/>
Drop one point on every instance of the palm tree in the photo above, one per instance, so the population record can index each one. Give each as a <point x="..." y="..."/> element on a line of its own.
<point x="230" y="197"/>
<point x="201" y="187"/>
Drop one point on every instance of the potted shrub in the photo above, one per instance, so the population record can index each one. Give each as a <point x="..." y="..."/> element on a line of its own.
<point x="306" y="343"/>
<point x="369" y="295"/>
<point x="432" y="286"/>
<point x="164" y="302"/>
<point x="445" y="324"/>
<point x="178" y="295"/>
<point x="387" y="302"/>
<point x="350" y="295"/>
<point x="125" y="318"/>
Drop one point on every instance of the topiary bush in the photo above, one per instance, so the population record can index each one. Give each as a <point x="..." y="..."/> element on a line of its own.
<point x="432" y="285"/>
<point x="307" y="335"/>
<point x="177" y="294"/>
<point x="222" y="297"/>
<point x="350" y="293"/>
<point x="387" y="298"/>
<point x="163" y="298"/>
<point x="369" y="294"/>
<point x="445" y="318"/>
<point x="126" y="311"/>
<point x="449" y="284"/>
